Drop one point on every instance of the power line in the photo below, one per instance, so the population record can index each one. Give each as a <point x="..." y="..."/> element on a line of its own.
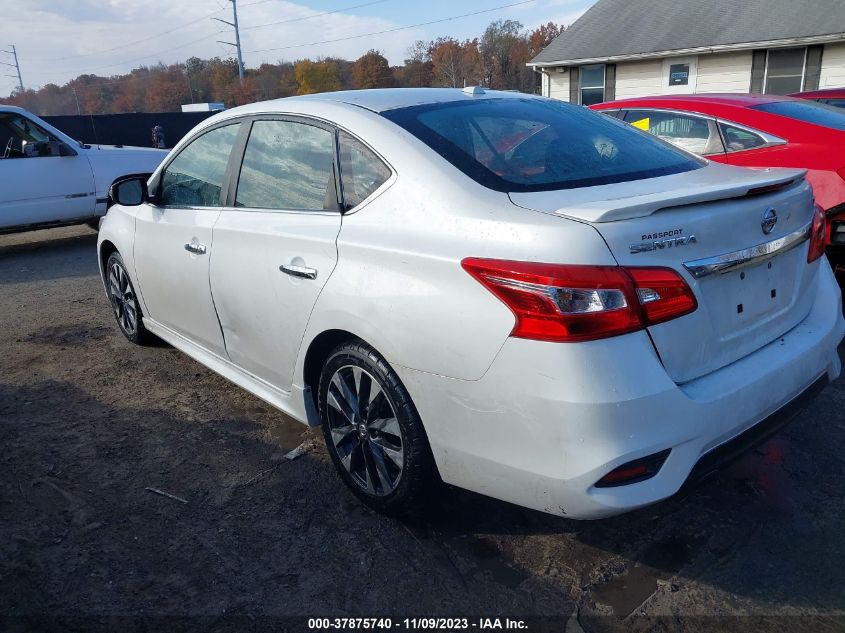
<point x="133" y="43"/>
<point x="135" y="59"/>
<point x="393" y="30"/>
<point x="307" y="17"/>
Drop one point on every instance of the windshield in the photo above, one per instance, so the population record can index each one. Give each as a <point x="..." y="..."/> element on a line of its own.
<point x="520" y="145"/>
<point x="808" y="112"/>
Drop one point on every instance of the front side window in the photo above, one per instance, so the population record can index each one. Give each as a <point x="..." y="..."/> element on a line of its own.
<point x="288" y="165"/>
<point x="361" y="171"/>
<point x="592" y="84"/>
<point x="694" y="134"/>
<point x="519" y="144"/>
<point x="16" y="132"/>
<point x="807" y="112"/>
<point x="785" y="70"/>
<point x="738" y="139"/>
<point x="195" y="177"/>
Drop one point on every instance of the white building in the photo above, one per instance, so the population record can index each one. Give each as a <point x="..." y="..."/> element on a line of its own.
<point x="212" y="106"/>
<point x="635" y="48"/>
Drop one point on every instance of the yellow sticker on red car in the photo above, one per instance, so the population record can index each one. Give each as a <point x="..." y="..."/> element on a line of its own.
<point x="643" y="124"/>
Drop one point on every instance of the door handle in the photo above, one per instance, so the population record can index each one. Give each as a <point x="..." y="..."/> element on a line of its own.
<point x="299" y="271"/>
<point x="194" y="247"/>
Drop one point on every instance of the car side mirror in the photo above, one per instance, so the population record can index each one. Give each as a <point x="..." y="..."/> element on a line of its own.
<point x="129" y="192"/>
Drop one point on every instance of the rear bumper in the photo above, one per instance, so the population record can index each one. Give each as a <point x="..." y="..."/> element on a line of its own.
<point x="547" y="421"/>
<point x="722" y="455"/>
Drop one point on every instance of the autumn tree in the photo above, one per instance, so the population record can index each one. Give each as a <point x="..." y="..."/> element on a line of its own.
<point x="497" y="45"/>
<point x="319" y="76"/>
<point x="271" y="81"/>
<point x="372" y="70"/>
<point x="344" y="71"/>
<point x="542" y="36"/>
<point x="167" y="89"/>
<point x="131" y="89"/>
<point x="454" y="64"/>
<point x="418" y="70"/>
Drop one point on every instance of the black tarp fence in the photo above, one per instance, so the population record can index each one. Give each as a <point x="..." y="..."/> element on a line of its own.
<point x="127" y="129"/>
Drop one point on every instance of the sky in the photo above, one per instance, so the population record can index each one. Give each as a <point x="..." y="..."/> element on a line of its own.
<point x="57" y="40"/>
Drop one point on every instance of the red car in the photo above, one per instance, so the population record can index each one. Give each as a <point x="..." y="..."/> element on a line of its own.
<point x="755" y="131"/>
<point x="829" y="96"/>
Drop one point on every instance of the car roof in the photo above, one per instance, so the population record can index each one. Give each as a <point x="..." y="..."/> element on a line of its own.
<point x="383" y="99"/>
<point x="826" y="92"/>
<point x="725" y="99"/>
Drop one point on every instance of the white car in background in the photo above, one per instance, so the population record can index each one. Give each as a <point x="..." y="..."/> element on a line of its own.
<point x="528" y="299"/>
<point x="48" y="179"/>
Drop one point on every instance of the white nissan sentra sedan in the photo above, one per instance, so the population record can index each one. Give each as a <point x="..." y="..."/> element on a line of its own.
<point x="512" y="294"/>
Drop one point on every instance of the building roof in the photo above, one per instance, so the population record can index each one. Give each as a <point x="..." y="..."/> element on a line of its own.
<point x="637" y="28"/>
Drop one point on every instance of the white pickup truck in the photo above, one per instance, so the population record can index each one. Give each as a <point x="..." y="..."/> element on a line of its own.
<point x="48" y="179"/>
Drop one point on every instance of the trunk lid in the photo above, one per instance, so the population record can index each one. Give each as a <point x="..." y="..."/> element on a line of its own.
<point x="691" y="221"/>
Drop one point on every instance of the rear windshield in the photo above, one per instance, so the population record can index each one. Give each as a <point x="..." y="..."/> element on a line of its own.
<point x="521" y="145"/>
<point x="808" y="112"/>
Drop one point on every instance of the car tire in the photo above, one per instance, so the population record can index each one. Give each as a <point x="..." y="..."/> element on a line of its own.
<point x="124" y="301"/>
<point x="373" y="433"/>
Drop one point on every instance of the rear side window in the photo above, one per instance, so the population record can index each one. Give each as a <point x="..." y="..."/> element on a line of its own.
<point x="524" y="145"/>
<point x="806" y="111"/>
<point x="693" y="133"/>
<point x="836" y="103"/>
<point x="361" y="171"/>
<point x="738" y="139"/>
<point x="194" y="178"/>
<point x="287" y="165"/>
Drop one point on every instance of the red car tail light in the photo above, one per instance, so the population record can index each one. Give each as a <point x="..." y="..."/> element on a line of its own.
<point x="817" y="236"/>
<point x="663" y="294"/>
<point x="562" y="303"/>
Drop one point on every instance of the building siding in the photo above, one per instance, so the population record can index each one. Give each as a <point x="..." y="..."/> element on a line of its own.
<point x="716" y="72"/>
<point x="639" y="79"/>
<point x="833" y="66"/>
<point x="558" y="86"/>
<point x="724" y="72"/>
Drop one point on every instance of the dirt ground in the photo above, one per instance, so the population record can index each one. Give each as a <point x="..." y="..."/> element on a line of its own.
<point x="89" y="422"/>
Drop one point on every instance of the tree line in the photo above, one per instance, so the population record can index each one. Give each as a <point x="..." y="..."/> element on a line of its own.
<point x="496" y="60"/>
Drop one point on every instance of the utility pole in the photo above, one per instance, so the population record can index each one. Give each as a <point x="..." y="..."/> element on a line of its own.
<point x="237" y="43"/>
<point x="188" y="77"/>
<point x="76" y="96"/>
<point x="17" y="66"/>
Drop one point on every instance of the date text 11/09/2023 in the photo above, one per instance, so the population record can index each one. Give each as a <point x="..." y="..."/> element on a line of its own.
<point x="415" y="624"/>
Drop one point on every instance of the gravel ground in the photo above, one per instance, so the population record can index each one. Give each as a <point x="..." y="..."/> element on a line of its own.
<point x="88" y="423"/>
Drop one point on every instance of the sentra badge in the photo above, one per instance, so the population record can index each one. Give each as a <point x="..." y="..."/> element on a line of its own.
<point x="661" y="240"/>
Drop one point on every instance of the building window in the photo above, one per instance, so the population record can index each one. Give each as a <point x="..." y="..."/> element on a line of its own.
<point x="592" y="84"/>
<point x="785" y="70"/>
<point x="679" y="75"/>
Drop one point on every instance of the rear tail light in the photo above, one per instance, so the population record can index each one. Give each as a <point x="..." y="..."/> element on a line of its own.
<point x="561" y="303"/>
<point x="817" y="236"/>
